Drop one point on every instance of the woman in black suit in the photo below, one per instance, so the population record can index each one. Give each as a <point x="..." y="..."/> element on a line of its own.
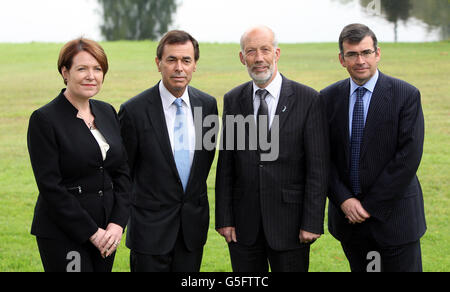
<point x="80" y="167"/>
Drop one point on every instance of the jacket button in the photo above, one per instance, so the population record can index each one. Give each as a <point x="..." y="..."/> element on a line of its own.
<point x="100" y="193"/>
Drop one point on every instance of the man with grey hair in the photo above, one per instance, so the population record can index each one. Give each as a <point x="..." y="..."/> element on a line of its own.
<point x="244" y="37"/>
<point x="270" y="212"/>
<point x="265" y="76"/>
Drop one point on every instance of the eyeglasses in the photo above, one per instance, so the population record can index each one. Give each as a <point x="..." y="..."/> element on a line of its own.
<point x="352" y="56"/>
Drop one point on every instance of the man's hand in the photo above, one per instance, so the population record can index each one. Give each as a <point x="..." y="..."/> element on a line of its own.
<point x="354" y="211"/>
<point x="229" y="233"/>
<point x="308" y="237"/>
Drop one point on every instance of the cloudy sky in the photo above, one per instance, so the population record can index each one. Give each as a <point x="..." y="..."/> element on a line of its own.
<point x="208" y="20"/>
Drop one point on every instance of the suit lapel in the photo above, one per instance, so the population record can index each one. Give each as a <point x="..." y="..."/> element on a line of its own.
<point x="195" y="103"/>
<point x="101" y="124"/>
<point x="377" y="109"/>
<point x="286" y="102"/>
<point x="247" y="110"/>
<point x="157" y="119"/>
<point x="246" y="100"/>
<point x="342" y="117"/>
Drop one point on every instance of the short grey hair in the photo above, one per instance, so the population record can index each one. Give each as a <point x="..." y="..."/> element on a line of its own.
<point x="243" y="37"/>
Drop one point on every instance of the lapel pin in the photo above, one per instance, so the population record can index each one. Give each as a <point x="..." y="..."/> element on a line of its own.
<point x="284" y="109"/>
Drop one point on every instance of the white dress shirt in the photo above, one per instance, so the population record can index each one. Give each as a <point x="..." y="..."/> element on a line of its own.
<point x="170" y="112"/>
<point x="274" y="89"/>
<point x="104" y="146"/>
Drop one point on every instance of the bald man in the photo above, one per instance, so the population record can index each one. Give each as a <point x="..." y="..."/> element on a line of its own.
<point x="270" y="208"/>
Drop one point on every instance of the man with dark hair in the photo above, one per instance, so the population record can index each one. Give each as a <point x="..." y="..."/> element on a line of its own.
<point x="376" y="128"/>
<point x="177" y="37"/>
<point x="170" y="212"/>
<point x="355" y="33"/>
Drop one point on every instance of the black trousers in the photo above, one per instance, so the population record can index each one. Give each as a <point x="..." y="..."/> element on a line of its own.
<point x="365" y="254"/>
<point x="68" y="256"/>
<point x="256" y="258"/>
<point x="179" y="260"/>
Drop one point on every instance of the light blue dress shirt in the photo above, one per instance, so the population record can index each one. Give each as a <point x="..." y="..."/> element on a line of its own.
<point x="370" y="86"/>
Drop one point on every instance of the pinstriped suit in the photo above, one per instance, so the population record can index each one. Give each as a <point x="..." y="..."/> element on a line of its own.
<point x="391" y="151"/>
<point x="281" y="197"/>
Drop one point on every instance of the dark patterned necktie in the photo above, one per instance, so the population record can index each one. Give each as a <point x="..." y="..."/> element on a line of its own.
<point x="356" y="140"/>
<point x="262" y="115"/>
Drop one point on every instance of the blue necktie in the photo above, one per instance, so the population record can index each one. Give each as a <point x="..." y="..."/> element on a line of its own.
<point x="181" y="144"/>
<point x="356" y="140"/>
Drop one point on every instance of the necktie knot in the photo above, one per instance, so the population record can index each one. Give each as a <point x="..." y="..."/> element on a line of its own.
<point x="178" y="102"/>
<point x="262" y="94"/>
<point x="360" y="92"/>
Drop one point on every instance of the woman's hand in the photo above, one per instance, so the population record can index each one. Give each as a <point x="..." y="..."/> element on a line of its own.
<point x="110" y="240"/>
<point x="97" y="237"/>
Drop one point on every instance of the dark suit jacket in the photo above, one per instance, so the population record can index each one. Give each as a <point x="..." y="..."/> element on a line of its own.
<point x="78" y="191"/>
<point x="285" y="195"/>
<point x="390" y="156"/>
<point x="159" y="204"/>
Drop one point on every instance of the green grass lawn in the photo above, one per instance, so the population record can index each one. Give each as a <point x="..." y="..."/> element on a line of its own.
<point x="29" y="79"/>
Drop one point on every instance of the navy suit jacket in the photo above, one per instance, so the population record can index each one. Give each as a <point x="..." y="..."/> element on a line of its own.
<point x="391" y="152"/>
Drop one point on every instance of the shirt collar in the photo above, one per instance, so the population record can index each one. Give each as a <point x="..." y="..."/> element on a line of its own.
<point x="274" y="88"/>
<point x="370" y="85"/>
<point x="168" y="98"/>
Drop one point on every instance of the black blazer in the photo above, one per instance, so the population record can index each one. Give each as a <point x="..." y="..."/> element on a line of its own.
<point x="390" y="156"/>
<point x="78" y="191"/>
<point x="159" y="204"/>
<point x="285" y="195"/>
